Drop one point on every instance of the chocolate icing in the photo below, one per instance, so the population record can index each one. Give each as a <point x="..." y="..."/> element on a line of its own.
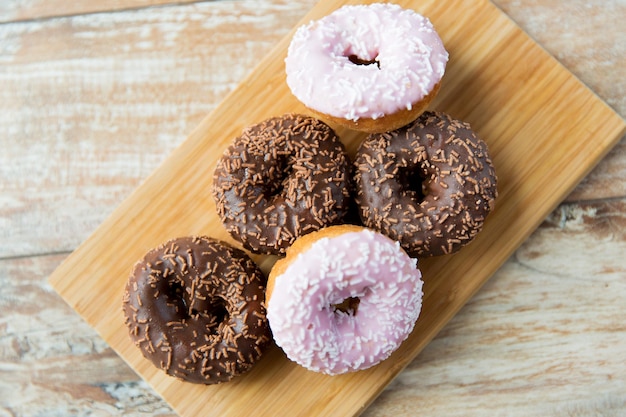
<point x="282" y="178"/>
<point x="195" y="307"/>
<point x="430" y="185"/>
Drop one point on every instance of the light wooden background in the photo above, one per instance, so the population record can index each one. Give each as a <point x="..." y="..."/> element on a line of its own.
<point x="95" y="94"/>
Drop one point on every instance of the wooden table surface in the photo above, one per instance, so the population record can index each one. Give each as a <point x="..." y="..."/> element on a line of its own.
<point x="95" y="94"/>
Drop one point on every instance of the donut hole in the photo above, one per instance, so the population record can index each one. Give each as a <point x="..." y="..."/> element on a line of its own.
<point x="212" y="311"/>
<point x="349" y="306"/>
<point x="175" y="297"/>
<point x="278" y="177"/>
<point x="217" y="312"/>
<point x="413" y="183"/>
<point x="356" y="60"/>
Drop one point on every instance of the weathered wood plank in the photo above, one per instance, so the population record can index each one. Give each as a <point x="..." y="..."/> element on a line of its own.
<point x="91" y="105"/>
<point x="21" y="10"/>
<point x="51" y="362"/>
<point x="542" y="338"/>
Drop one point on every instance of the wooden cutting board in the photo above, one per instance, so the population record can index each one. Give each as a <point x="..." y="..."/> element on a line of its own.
<point x="545" y="131"/>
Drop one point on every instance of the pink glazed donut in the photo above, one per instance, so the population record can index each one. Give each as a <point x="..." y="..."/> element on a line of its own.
<point x="343" y="299"/>
<point x="372" y="68"/>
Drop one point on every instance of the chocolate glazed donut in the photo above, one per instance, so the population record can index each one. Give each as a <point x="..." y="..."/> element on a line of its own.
<point x="430" y="185"/>
<point x="282" y="178"/>
<point x="195" y="307"/>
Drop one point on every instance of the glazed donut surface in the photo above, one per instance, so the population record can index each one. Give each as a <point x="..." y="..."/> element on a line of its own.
<point x="430" y="185"/>
<point x="343" y="299"/>
<point x="282" y="178"/>
<point x="195" y="308"/>
<point x="363" y="63"/>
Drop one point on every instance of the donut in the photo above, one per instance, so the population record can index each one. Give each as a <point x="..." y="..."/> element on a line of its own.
<point x="430" y="184"/>
<point x="343" y="299"/>
<point x="282" y="178"/>
<point x="371" y="68"/>
<point x="195" y="308"/>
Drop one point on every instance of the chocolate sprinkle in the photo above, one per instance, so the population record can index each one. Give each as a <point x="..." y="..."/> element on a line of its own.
<point x="281" y="179"/>
<point x="194" y="306"/>
<point x="430" y="185"/>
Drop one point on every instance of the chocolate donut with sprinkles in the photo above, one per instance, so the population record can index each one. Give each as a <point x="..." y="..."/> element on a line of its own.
<point x="430" y="184"/>
<point x="195" y="308"/>
<point x="282" y="178"/>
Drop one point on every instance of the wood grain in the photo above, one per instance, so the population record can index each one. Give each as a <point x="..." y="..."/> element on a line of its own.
<point x="530" y="326"/>
<point x="56" y="210"/>
<point x="505" y="334"/>
<point x="26" y="10"/>
<point x="595" y="60"/>
<point x="48" y="369"/>
<point x="482" y="86"/>
<point x="85" y="124"/>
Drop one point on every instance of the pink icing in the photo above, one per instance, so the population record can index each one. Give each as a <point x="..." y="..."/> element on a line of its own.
<point x="363" y="264"/>
<point x="403" y="43"/>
